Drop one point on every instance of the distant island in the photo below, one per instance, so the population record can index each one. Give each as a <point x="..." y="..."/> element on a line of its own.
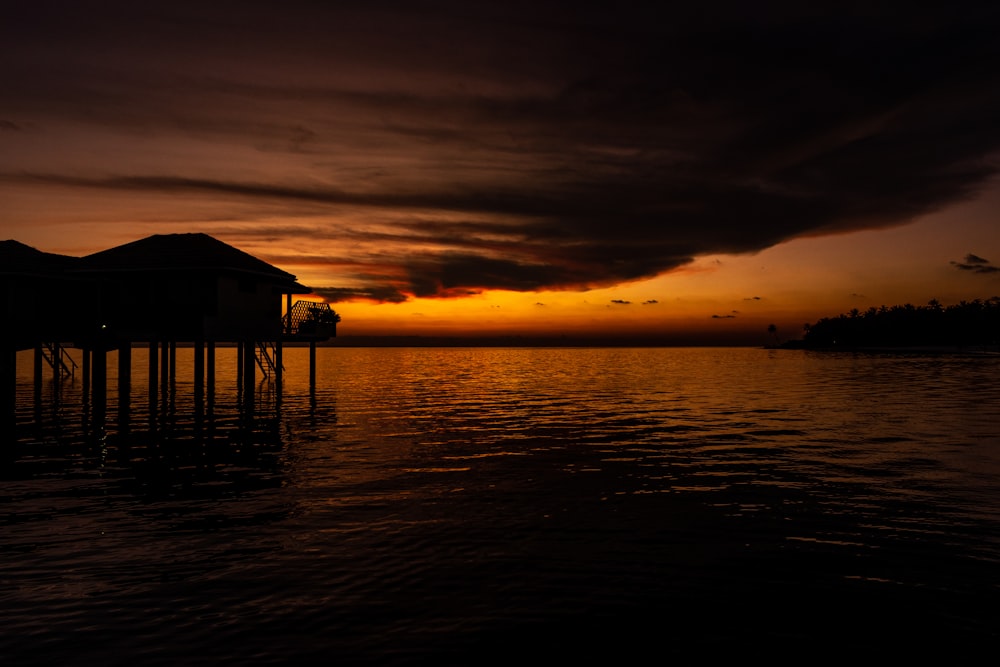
<point x="965" y="325"/>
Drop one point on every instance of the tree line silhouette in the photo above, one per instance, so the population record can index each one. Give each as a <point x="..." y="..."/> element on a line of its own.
<point x="965" y="324"/>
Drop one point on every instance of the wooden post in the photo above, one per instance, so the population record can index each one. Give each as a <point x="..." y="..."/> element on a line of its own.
<point x="278" y="363"/>
<point x="210" y="379"/>
<point x="87" y="357"/>
<point x="288" y="313"/>
<point x="239" y="370"/>
<point x="173" y="364"/>
<point x="8" y="393"/>
<point x="38" y="381"/>
<point x="199" y="382"/>
<point x="99" y="386"/>
<point x="154" y="382"/>
<point x="171" y="395"/>
<point x="124" y="387"/>
<point x="249" y="381"/>
<point x="164" y="378"/>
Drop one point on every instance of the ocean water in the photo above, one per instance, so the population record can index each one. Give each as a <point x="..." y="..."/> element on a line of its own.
<point x="496" y="505"/>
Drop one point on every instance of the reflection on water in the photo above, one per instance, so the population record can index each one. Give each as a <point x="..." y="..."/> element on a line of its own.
<point x="465" y="505"/>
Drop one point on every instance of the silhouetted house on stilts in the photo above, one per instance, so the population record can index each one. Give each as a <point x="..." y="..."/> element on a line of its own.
<point x="161" y="290"/>
<point x="40" y="302"/>
<point x="188" y="287"/>
<point x="41" y="297"/>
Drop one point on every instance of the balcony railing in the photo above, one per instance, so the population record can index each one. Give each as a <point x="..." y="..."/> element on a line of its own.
<point x="310" y="320"/>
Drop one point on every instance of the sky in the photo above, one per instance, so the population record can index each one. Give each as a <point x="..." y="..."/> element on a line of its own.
<point x="680" y="172"/>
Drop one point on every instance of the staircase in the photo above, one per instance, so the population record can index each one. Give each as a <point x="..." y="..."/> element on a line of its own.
<point x="58" y="359"/>
<point x="266" y="354"/>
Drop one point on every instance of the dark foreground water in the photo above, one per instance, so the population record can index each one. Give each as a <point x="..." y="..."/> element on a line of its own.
<point x="496" y="506"/>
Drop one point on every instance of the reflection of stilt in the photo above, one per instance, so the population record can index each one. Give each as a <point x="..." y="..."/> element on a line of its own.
<point x="312" y="367"/>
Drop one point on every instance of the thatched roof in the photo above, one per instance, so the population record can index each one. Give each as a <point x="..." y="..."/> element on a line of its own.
<point x="20" y="259"/>
<point x="182" y="253"/>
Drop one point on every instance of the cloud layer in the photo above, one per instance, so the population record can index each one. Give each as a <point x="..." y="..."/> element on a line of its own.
<point x="441" y="149"/>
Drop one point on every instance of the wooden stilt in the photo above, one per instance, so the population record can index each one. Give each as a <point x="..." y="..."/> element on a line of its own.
<point x="99" y="387"/>
<point x="239" y="371"/>
<point x="173" y="364"/>
<point x="154" y="382"/>
<point x="124" y="388"/>
<point x="210" y="379"/>
<point x="86" y="363"/>
<point x="38" y="381"/>
<point x="249" y="381"/>
<point x="278" y="364"/>
<point x="8" y="393"/>
<point x="199" y="382"/>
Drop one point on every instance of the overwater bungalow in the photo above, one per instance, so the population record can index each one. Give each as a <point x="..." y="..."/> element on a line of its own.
<point x="41" y="299"/>
<point x="188" y="287"/>
<point x="161" y="290"/>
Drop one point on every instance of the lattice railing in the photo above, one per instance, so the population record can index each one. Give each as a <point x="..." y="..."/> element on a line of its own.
<point x="311" y="318"/>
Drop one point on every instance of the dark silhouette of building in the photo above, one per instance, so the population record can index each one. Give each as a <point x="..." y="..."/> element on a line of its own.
<point x="41" y="297"/>
<point x="161" y="290"/>
<point x="188" y="287"/>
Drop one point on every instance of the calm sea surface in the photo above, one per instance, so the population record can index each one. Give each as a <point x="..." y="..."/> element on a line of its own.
<point x="492" y="505"/>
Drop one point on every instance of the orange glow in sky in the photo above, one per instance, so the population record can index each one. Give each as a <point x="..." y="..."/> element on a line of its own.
<point x="514" y="171"/>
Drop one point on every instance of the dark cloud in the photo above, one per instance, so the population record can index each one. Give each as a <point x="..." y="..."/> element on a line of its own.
<point x="520" y="145"/>
<point x="976" y="264"/>
<point x="650" y="302"/>
<point x="752" y="298"/>
<point x="621" y="302"/>
<point x="381" y="294"/>
<point x="723" y="317"/>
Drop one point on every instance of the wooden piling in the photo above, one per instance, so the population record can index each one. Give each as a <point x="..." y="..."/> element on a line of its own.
<point x="278" y="367"/>
<point x="199" y="382"/>
<point x="86" y="363"/>
<point x="153" y="381"/>
<point x="210" y="379"/>
<point x="239" y="370"/>
<point x="37" y="393"/>
<point x="124" y="387"/>
<point x="249" y="379"/>
<point x="8" y="392"/>
<point x="99" y="387"/>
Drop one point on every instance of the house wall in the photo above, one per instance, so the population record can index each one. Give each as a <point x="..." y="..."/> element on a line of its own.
<point x="36" y="309"/>
<point x="247" y="307"/>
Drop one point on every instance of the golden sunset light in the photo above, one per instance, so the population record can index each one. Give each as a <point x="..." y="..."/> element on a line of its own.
<point x="517" y="170"/>
<point x="474" y="333"/>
